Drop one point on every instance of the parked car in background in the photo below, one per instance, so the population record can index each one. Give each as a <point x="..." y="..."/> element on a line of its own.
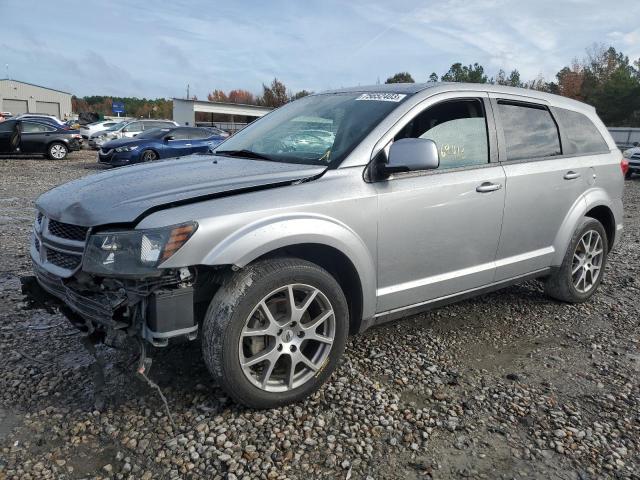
<point x="633" y="157"/>
<point x="50" y="119"/>
<point x="127" y="129"/>
<point x="27" y="136"/>
<point x="158" y="143"/>
<point x="273" y="252"/>
<point x="5" y="115"/>
<point x="87" y="130"/>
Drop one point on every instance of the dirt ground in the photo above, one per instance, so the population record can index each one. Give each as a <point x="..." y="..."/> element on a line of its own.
<point x="507" y="385"/>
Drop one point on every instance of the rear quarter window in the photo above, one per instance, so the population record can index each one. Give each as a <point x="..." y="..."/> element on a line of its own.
<point x="581" y="136"/>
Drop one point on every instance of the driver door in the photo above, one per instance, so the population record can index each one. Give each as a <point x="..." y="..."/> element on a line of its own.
<point x="439" y="229"/>
<point x="9" y="136"/>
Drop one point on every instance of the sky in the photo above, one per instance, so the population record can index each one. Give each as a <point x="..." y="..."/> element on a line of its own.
<point x="156" y="48"/>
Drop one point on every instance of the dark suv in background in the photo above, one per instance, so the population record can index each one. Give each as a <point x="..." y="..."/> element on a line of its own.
<point x="35" y="137"/>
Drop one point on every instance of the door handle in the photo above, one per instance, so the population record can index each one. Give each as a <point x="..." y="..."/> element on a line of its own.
<point x="570" y="175"/>
<point x="488" y="187"/>
<point x="187" y="144"/>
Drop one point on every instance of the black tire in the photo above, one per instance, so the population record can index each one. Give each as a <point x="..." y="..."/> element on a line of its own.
<point x="628" y="175"/>
<point x="57" y="151"/>
<point x="148" y="156"/>
<point x="559" y="284"/>
<point x="232" y="305"/>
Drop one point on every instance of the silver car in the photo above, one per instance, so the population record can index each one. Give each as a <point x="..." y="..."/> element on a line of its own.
<point x="274" y="250"/>
<point x="126" y="129"/>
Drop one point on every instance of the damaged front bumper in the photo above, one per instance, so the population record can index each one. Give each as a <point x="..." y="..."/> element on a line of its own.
<point x="155" y="309"/>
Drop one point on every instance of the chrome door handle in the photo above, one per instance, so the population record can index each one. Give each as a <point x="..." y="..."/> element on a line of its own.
<point x="488" y="187"/>
<point x="570" y="175"/>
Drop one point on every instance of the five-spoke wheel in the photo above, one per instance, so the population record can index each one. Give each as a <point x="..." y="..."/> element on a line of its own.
<point x="275" y="331"/>
<point x="287" y="337"/>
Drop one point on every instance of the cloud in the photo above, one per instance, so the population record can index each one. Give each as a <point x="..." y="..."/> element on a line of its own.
<point x="123" y="47"/>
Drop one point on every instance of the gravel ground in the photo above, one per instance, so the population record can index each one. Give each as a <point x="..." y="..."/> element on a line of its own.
<point x="508" y="385"/>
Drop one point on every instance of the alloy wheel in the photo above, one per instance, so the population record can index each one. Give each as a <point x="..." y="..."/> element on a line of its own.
<point x="287" y="338"/>
<point x="586" y="266"/>
<point x="58" y="151"/>
<point x="148" y="156"/>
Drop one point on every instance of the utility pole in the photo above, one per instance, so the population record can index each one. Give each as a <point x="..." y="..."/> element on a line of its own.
<point x="188" y="92"/>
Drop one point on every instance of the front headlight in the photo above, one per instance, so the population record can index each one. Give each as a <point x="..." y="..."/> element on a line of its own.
<point x="134" y="252"/>
<point x="127" y="148"/>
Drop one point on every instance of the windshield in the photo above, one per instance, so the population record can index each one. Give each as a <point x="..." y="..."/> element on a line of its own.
<point x="317" y="130"/>
<point x="153" y="133"/>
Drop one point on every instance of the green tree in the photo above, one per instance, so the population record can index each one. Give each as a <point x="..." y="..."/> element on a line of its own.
<point x="433" y="77"/>
<point x="300" y="94"/>
<point x="463" y="73"/>
<point x="402" y="77"/>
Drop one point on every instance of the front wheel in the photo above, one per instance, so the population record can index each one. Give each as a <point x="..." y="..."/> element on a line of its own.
<point x="628" y="175"/>
<point x="274" y="332"/>
<point x="57" y="151"/>
<point x="149" y="156"/>
<point x="583" y="266"/>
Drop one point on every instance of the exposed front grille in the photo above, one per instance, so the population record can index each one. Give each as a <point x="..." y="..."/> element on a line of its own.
<point x="37" y="243"/>
<point x="63" y="260"/>
<point x="65" y="230"/>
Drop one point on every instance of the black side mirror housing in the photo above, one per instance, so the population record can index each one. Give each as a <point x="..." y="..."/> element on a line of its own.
<point x="411" y="154"/>
<point x="169" y="137"/>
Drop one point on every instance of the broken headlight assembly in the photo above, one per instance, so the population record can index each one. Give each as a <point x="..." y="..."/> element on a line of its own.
<point x="134" y="252"/>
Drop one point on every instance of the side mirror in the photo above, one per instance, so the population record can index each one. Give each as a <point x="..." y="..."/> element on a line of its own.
<point x="169" y="137"/>
<point x="411" y="154"/>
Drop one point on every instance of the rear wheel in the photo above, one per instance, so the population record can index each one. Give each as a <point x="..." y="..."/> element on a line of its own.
<point x="583" y="266"/>
<point x="274" y="332"/>
<point x="57" y="151"/>
<point x="149" y="156"/>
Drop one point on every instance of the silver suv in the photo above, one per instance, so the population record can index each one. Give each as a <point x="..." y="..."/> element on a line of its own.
<point x="334" y="213"/>
<point x="126" y="129"/>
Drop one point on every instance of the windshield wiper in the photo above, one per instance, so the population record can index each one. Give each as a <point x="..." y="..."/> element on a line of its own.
<point x="243" y="153"/>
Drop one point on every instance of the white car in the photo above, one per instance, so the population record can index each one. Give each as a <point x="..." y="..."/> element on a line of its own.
<point x="87" y="130"/>
<point x="127" y="130"/>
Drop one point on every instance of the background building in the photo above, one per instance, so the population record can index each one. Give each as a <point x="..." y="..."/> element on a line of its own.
<point x="227" y="116"/>
<point x="21" y="97"/>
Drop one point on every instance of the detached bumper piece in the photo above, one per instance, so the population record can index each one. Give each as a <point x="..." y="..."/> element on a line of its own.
<point x="154" y="309"/>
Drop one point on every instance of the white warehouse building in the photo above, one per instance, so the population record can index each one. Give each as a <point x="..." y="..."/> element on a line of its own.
<point x="20" y="97"/>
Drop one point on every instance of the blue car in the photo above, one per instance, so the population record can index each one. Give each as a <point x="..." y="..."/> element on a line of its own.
<point x="160" y="143"/>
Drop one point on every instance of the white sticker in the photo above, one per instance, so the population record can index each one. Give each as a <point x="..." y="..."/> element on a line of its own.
<point x="382" y="97"/>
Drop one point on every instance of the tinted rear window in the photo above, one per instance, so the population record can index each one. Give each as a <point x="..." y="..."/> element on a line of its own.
<point x="580" y="134"/>
<point x="529" y="131"/>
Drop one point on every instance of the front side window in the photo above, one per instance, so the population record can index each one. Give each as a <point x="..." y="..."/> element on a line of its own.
<point x="200" y="133"/>
<point x="133" y="127"/>
<point x="180" y="133"/>
<point x="316" y="130"/>
<point x="529" y="131"/>
<point x="580" y="134"/>
<point x="459" y="130"/>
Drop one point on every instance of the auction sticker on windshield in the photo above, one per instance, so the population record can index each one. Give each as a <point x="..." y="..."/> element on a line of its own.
<point x="382" y="97"/>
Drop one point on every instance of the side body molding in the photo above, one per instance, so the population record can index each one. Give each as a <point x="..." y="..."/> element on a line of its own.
<point x="265" y="235"/>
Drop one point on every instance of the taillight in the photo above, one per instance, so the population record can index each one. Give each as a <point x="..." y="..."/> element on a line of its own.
<point x="624" y="165"/>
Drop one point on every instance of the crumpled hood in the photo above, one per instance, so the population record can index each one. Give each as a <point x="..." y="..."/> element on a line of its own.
<point x="122" y="195"/>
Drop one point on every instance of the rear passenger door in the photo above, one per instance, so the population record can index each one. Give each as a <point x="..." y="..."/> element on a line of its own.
<point x="542" y="184"/>
<point x="438" y="230"/>
<point x="35" y="137"/>
<point x="201" y="141"/>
